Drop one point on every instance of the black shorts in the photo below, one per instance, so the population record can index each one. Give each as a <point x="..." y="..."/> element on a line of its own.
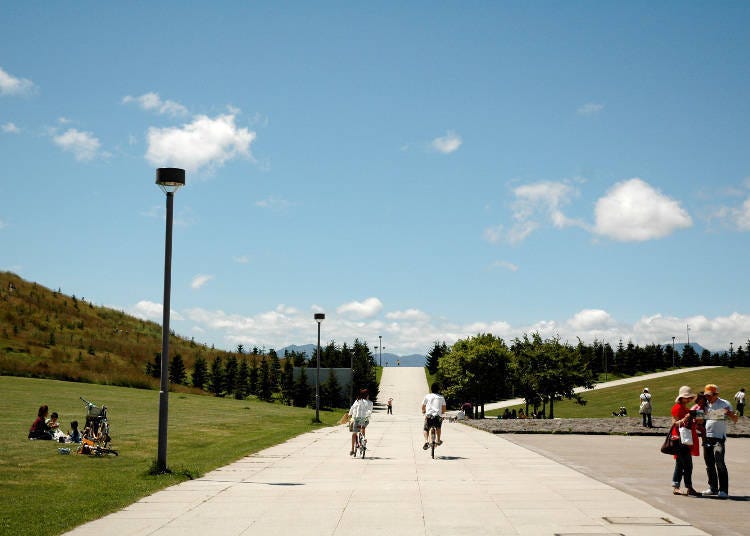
<point x="432" y="420"/>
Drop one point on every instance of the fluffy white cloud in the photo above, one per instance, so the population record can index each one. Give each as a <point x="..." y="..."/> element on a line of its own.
<point x="149" y="310"/>
<point x="10" y="128"/>
<point x="204" y="142"/>
<point x="590" y="108"/>
<point x="633" y="211"/>
<point x="738" y="217"/>
<point x="591" y="319"/>
<point x="448" y="143"/>
<point x="84" y="145"/>
<point x="11" y="85"/>
<point x="364" y="309"/>
<point x="200" y="280"/>
<point x="152" y="102"/>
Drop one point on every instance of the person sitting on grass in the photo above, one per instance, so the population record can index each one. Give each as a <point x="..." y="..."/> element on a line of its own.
<point x="39" y="428"/>
<point x="75" y="435"/>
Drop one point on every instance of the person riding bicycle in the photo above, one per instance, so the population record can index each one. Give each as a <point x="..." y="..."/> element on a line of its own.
<point x="360" y="413"/>
<point x="433" y="408"/>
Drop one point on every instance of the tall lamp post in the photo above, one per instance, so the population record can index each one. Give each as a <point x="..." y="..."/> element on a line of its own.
<point x="380" y="349"/>
<point x="673" y="363"/>
<point x="169" y="180"/>
<point x="731" y="353"/>
<point x="319" y="317"/>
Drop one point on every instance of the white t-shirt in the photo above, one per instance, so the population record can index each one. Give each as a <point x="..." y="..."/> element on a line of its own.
<point x="361" y="409"/>
<point x="433" y="404"/>
<point x="716" y="424"/>
<point x="740" y="397"/>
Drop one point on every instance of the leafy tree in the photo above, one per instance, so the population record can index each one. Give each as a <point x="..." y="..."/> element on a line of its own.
<point x="177" y="372"/>
<point x="434" y="355"/>
<point x="200" y="372"/>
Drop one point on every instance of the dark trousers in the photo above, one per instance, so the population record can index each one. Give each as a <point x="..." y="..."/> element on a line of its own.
<point x="647" y="420"/>
<point x="683" y="468"/>
<point x="713" y="455"/>
<point x="390" y="410"/>
<point x="741" y="409"/>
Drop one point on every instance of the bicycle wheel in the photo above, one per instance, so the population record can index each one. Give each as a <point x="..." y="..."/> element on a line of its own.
<point x="362" y="445"/>
<point x="433" y="442"/>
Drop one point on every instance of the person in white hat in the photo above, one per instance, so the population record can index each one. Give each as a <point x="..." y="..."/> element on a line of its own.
<point x="718" y="411"/>
<point x="683" y="464"/>
<point x="645" y="408"/>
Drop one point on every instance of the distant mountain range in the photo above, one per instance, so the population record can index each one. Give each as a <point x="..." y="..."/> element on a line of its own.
<point x="412" y="360"/>
<point x="680" y="346"/>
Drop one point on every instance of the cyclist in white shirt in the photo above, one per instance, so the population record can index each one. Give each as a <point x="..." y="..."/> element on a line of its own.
<point x="433" y="408"/>
<point x="360" y="413"/>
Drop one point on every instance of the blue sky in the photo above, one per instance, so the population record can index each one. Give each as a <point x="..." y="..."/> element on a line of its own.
<point x="422" y="171"/>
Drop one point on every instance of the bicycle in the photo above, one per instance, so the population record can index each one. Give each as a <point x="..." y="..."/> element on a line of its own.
<point x="433" y="440"/>
<point x="361" y="444"/>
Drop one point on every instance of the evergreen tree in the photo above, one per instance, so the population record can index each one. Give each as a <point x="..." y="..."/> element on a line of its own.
<point x="177" y="372"/>
<point x="230" y="375"/>
<point x="243" y="377"/>
<point x="153" y="368"/>
<point x="264" y="381"/>
<point x="689" y="356"/>
<point x="200" y="372"/>
<point x="287" y="382"/>
<point x="216" y="378"/>
<point x="331" y="392"/>
<point x="301" y="393"/>
<point x="253" y="387"/>
<point x="434" y="355"/>
<point x="275" y="371"/>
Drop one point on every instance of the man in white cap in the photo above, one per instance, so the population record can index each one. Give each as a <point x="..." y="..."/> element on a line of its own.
<point x="718" y="411"/>
<point x="645" y="408"/>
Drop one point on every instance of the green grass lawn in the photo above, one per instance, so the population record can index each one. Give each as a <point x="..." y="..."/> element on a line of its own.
<point x="45" y="493"/>
<point x="663" y="390"/>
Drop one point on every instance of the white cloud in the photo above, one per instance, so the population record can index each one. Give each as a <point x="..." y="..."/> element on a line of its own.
<point x="200" y="280"/>
<point x="152" y="102"/>
<point x="242" y="259"/>
<point x="506" y="265"/>
<point x="10" y="128"/>
<point x="204" y="142"/>
<point x="737" y="217"/>
<point x="634" y="211"/>
<point x="364" y="309"/>
<point x="590" y="108"/>
<point x="84" y="145"/>
<point x="10" y="85"/>
<point x="590" y="319"/>
<point x="149" y="310"/>
<point x="448" y="143"/>
<point x="412" y="315"/>
<point x="534" y="204"/>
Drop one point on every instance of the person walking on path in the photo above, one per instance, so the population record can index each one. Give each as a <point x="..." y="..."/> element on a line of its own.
<point x="718" y="411"/>
<point x="683" y="465"/>
<point x="433" y="408"/>
<point x="739" y="399"/>
<point x="645" y="408"/>
<point x="390" y="406"/>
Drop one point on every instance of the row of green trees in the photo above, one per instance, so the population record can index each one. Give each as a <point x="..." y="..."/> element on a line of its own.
<point x="271" y="378"/>
<point x="485" y="368"/>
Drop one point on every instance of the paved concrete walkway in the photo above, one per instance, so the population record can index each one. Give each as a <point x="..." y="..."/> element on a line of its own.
<point x="479" y="484"/>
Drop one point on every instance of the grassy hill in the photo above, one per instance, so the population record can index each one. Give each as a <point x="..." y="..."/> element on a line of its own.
<point x="47" y="334"/>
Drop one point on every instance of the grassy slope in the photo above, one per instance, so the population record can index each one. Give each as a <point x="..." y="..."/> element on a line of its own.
<point x="45" y="493"/>
<point x="601" y="403"/>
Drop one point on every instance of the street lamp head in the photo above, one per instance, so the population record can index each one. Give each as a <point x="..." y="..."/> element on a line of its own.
<point x="170" y="179"/>
<point x="319" y="317"/>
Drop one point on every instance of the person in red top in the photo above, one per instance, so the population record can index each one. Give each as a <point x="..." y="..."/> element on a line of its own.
<point x="683" y="466"/>
<point x="39" y="428"/>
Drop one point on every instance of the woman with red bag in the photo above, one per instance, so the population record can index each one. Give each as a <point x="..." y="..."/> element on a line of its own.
<point x="683" y="466"/>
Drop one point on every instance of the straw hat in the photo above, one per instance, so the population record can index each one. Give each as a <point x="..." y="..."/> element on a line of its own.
<point x="685" y="392"/>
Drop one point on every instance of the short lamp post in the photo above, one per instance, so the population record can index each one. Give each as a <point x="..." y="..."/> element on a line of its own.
<point x="319" y="317"/>
<point x="169" y="180"/>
